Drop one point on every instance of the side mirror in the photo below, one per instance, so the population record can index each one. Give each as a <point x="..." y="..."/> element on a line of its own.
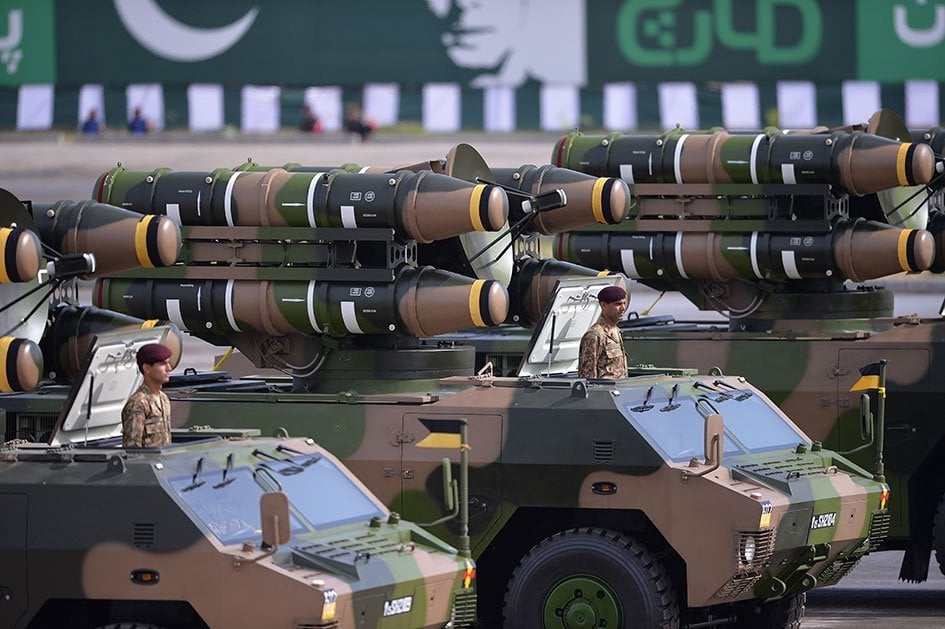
<point x="448" y="484"/>
<point x="714" y="431"/>
<point x="274" y="516"/>
<point x="866" y="418"/>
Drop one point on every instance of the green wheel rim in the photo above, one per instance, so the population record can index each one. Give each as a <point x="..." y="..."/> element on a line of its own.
<point x="582" y="602"/>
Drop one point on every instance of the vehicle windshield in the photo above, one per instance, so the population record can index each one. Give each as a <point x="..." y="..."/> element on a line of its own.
<point x="320" y="496"/>
<point x="677" y="428"/>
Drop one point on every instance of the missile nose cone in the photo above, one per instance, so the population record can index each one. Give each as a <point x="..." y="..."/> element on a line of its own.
<point x="923" y="164"/>
<point x="493" y="303"/>
<point x="922" y="251"/>
<point x="167" y="242"/>
<point x="618" y="202"/>
<point x="21" y="364"/>
<point x="494" y="208"/>
<point x="20" y="255"/>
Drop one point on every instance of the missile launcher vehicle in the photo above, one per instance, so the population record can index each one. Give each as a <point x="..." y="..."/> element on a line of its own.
<point x="767" y="229"/>
<point x="591" y="503"/>
<point x="220" y="528"/>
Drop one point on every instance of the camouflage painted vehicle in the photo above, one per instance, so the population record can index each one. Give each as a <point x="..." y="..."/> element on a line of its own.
<point x="218" y="529"/>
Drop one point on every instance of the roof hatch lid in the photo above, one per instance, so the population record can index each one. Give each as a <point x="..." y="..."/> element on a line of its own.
<point x="556" y="342"/>
<point x="110" y="375"/>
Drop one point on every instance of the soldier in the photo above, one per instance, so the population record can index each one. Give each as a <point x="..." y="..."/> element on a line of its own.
<point x="602" y="351"/>
<point x="146" y="417"/>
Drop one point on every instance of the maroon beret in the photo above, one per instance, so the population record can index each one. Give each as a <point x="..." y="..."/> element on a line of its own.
<point x="153" y="353"/>
<point x="611" y="294"/>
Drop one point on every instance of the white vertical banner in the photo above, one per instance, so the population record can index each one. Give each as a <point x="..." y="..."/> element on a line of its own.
<point x="93" y="97"/>
<point x="260" y="108"/>
<point x="498" y="108"/>
<point x="679" y="105"/>
<point x="922" y="104"/>
<point x="560" y="107"/>
<point x="620" y="107"/>
<point x="861" y="99"/>
<point x="442" y="107"/>
<point x="741" y="106"/>
<point x="150" y="98"/>
<point x="205" y="107"/>
<point x="382" y="103"/>
<point x="797" y="105"/>
<point x="34" y="107"/>
<point x="327" y="106"/>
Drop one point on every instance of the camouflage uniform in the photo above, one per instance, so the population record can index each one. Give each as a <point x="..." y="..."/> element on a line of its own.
<point x="602" y="352"/>
<point x="146" y="419"/>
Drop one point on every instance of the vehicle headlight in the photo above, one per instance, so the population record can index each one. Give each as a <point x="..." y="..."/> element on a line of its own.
<point x="747" y="551"/>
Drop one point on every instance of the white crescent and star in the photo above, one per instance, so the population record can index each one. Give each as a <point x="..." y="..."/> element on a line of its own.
<point x="171" y="39"/>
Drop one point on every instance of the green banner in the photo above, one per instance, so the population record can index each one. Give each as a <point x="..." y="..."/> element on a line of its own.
<point x="27" y="42"/>
<point x="900" y="39"/>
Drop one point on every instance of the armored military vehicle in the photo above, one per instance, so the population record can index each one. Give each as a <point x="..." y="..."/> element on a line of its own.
<point x="218" y="529"/>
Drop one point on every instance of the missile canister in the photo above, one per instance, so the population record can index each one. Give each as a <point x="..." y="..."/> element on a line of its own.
<point x="20" y="255"/>
<point x="119" y="239"/>
<point x="858" y="162"/>
<point x="857" y="250"/>
<point x="421" y="302"/>
<point x="21" y="364"/>
<point x="424" y="206"/>
<point x="604" y="200"/>
<point x="533" y="284"/>
<point x="68" y="339"/>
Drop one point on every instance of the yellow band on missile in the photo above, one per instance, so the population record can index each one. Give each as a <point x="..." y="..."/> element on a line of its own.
<point x="4" y="235"/>
<point x="4" y="348"/>
<point x="141" y="241"/>
<point x="597" y="201"/>
<point x="474" y="292"/>
<point x="474" y="216"/>
<point x="902" y="249"/>
<point x="901" y="164"/>
<point x="150" y="323"/>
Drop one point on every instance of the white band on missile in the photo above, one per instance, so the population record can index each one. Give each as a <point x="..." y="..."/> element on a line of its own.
<point x="228" y="199"/>
<point x="349" y="318"/>
<point x="310" y="200"/>
<point x="789" y="263"/>
<point x="173" y="313"/>
<point x="678" y="252"/>
<point x="629" y="268"/>
<point x="754" y="255"/>
<point x="228" y="304"/>
<point x="752" y="161"/>
<point x="347" y="216"/>
<point x="310" y="305"/>
<point x="626" y="172"/>
<point x="787" y="173"/>
<point x="173" y="212"/>
<point x="364" y="169"/>
<point x="199" y="201"/>
<point x="677" y="157"/>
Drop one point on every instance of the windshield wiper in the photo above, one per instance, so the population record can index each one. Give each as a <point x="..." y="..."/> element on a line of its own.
<point x="289" y="471"/>
<point x="194" y="483"/>
<point x="311" y="460"/>
<point x="671" y="405"/>
<point x="743" y="395"/>
<point x="642" y="408"/>
<point x="722" y="395"/>
<point x="229" y="468"/>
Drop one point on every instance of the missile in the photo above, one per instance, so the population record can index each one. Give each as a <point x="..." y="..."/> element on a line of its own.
<point x="533" y="283"/>
<point x="67" y="340"/>
<point x="856" y="249"/>
<point x="20" y="255"/>
<point x="119" y="239"/>
<point x="420" y="302"/>
<point x="858" y="162"/>
<point x="21" y="364"/>
<point x="604" y="200"/>
<point x="424" y="206"/>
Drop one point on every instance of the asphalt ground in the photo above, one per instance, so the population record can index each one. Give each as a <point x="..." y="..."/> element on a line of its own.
<point x="47" y="168"/>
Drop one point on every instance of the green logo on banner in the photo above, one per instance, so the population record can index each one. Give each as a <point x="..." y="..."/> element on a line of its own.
<point x="27" y="42"/>
<point x="901" y="39"/>
<point x="649" y="32"/>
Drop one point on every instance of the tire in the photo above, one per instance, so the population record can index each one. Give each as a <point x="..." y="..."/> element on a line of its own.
<point x="784" y="613"/>
<point x="938" y="535"/>
<point x="590" y="577"/>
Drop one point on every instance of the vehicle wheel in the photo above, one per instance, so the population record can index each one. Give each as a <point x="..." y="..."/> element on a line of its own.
<point x="583" y="578"/>
<point x="938" y="535"/>
<point x="784" y="613"/>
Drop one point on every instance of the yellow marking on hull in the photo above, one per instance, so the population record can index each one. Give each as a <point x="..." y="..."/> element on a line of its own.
<point x="150" y="323"/>
<point x="440" y="440"/>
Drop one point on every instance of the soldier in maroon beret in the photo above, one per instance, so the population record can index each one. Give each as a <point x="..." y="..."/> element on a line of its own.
<point x="602" y="353"/>
<point x="146" y="417"/>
